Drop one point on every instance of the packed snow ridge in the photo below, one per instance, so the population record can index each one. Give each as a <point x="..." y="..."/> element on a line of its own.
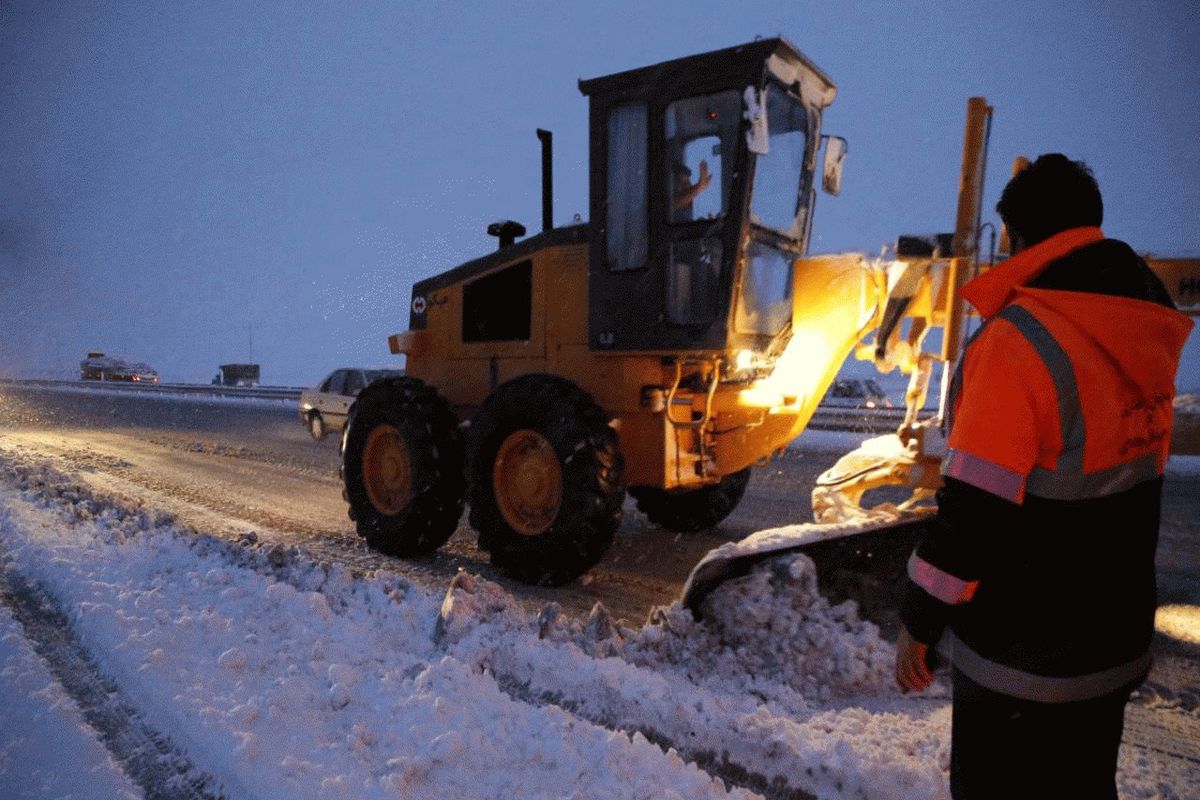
<point x="279" y="675"/>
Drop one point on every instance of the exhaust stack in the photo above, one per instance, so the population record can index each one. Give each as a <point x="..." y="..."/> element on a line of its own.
<point x="547" y="140"/>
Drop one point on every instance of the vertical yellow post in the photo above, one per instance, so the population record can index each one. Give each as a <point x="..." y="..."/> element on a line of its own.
<point x="966" y="227"/>
<point x="966" y="237"/>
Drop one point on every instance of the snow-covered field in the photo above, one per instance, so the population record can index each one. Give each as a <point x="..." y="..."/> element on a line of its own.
<point x="258" y="672"/>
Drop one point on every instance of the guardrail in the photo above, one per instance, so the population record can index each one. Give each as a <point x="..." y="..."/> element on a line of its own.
<point x="208" y="390"/>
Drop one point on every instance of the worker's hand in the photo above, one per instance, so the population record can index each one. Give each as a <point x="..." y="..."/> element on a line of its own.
<point x="705" y="178"/>
<point x="912" y="670"/>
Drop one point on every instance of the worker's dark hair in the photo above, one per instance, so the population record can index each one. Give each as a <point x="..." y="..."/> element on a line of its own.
<point x="1051" y="195"/>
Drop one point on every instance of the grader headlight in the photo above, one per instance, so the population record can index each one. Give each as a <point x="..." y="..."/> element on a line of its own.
<point x="746" y="366"/>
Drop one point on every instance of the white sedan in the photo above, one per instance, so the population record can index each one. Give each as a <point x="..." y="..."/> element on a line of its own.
<point x="324" y="407"/>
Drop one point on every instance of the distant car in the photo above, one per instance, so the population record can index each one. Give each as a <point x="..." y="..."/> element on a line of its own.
<point x="856" y="393"/>
<point x="323" y="408"/>
<point x="99" y="367"/>
<point x="139" y="373"/>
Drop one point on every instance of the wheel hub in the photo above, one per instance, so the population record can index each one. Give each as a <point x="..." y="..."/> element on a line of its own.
<point x="387" y="470"/>
<point x="527" y="480"/>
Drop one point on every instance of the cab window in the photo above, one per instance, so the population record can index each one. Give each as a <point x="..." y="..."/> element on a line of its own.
<point x="779" y="173"/>
<point x="628" y="238"/>
<point x="701" y="133"/>
<point x="694" y="281"/>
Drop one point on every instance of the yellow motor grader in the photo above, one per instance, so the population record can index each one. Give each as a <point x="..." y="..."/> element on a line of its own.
<point x="666" y="347"/>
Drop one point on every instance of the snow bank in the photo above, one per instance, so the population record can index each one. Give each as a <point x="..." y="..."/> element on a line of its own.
<point x="282" y="676"/>
<point x="780" y="688"/>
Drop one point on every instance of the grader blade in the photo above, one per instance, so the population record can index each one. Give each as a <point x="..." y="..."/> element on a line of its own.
<point x="846" y="536"/>
<point x="876" y="546"/>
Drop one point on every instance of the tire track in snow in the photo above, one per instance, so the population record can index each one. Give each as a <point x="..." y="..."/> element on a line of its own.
<point x="717" y="765"/>
<point x="149" y="758"/>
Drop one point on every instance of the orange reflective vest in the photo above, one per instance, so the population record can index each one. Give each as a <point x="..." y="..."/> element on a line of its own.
<point x="1083" y="385"/>
<point x="1060" y="422"/>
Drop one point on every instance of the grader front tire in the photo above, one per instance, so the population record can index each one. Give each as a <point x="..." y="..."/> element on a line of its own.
<point x="402" y="465"/>
<point x="547" y="479"/>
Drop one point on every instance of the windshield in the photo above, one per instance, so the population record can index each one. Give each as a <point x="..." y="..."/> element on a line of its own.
<point x="777" y="173"/>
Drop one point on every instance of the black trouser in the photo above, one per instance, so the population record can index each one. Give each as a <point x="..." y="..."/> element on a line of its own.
<point x="1004" y="747"/>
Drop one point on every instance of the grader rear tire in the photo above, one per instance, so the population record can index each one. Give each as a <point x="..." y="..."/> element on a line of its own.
<point x="547" y="479"/>
<point x="696" y="510"/>
<point x="402" y="465"/>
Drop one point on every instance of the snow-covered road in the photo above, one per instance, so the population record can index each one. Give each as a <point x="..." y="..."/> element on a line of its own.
<point x="190" y="660"/>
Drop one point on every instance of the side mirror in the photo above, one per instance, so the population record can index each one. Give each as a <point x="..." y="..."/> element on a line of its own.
<point x="835" y="157"/>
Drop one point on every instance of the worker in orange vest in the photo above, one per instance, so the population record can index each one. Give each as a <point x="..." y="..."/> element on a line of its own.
<point x="1038" y="574"/>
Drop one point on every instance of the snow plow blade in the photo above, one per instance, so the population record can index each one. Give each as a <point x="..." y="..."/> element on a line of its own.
<point x="876" y="546"/>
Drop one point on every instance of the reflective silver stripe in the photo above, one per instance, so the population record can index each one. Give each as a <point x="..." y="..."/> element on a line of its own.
<point x="1057" y="485"/>
<point x="952" y="395"/>
<point x="1043" y="688"/>
<point x="957" y="378"/>
<point x="948" y="588"/>
<point x="1062" y="372"/>
<point x="1068" y="481"/>
<point x="983" y="474"/>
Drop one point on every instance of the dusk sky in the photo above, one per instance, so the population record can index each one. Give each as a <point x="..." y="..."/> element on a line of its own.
<point x="179" y="178"/>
